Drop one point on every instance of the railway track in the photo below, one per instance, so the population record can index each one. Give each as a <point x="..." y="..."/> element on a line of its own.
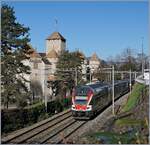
<point x="53" y="130"/>
<point x="62" y="134"/>
<point x="25" y="134"/>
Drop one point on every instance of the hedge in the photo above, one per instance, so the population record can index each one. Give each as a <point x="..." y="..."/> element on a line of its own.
<point x="18" y="118"/>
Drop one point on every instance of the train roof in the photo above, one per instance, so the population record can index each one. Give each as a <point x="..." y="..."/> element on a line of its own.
<point x="120" y="81"/>
<point x="102" y="84"/>
<point x="99" y="84"/>
<point x="95" y="85"/>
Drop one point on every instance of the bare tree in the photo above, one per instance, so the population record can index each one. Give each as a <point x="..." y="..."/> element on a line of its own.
<point x="128" y="59"/>
<point x="139" y="61"/>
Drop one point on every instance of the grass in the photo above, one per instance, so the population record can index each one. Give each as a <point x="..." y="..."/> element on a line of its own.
<point x="111" y="138"/>
<point x="131" y="103"/>
<point x="134" y="97"/>
<point x="131" y="134"/>
<point x="126" y="121"/>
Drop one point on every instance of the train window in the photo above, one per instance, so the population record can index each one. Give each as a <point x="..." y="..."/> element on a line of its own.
<point x="96" y="85"/>
<point x="98" y="89"/>
<point x="81" y="102"/>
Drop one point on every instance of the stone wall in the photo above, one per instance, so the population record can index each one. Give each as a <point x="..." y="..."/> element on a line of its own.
<point x="57" y="45"/>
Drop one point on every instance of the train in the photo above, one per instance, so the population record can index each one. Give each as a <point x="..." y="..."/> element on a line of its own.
<point x="88" y="100"/>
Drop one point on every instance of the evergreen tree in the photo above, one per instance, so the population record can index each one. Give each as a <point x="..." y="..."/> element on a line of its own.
<point x="68" y="66"/>
<point x="14" y="50"/>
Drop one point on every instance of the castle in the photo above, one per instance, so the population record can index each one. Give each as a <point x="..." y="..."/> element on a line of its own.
<point x="43" y="65"/>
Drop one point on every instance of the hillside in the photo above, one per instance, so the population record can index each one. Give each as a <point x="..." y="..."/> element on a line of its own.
<point x="129" y="126"/>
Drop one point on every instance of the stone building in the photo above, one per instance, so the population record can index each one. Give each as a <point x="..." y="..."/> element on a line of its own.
<point x="55" y="42"/>
<point x="94" y="62"/>
<point x="43" y="65"/>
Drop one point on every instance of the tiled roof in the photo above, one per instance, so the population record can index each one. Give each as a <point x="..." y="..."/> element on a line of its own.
<point x="52" y="54"/>
<point x="33" y="53"/>
<point x="45" y="60"/>
<point x="94" y="57"/>
<point x="56" y="36"/>
<point x="42" y="54"/>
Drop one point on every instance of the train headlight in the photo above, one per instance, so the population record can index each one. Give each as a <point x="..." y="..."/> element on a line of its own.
<point x="73" y="107"/>
<point x="89" y="107"/>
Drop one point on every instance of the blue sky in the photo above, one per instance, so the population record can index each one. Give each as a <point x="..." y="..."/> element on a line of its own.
<point x="106" y="28"/>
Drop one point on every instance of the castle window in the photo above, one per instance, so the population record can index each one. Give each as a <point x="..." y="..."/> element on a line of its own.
<point x="35" y="65"/>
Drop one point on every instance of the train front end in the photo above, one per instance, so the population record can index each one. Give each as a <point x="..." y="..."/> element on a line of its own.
<point x="81" y="107"/>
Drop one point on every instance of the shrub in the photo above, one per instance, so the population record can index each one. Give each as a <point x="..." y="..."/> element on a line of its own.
<point x="18" y="118"/>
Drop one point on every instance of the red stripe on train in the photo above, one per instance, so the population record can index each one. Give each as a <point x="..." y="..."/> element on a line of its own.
<point x="80" y="107"/>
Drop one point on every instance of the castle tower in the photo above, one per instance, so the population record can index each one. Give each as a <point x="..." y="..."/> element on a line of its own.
<point x="94" y="62"/>
<point x="55" y="42"/>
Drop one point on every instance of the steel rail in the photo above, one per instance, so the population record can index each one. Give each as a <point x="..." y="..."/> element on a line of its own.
<point x="58" y="131"/>
<point x="42" y="129"/>
<point x="70" y="133"/>
<point x="9" y="138"/>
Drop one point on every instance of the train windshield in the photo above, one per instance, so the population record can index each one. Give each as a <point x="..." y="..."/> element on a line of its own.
<point x="82" y="91"/>
<point x="81" y="102"/>
<point x="81" y="95"/>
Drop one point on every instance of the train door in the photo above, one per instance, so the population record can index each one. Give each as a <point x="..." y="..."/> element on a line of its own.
<point x="109" y="98"/>
<point x="117" y="90"/>
<point x="103" y="97"/>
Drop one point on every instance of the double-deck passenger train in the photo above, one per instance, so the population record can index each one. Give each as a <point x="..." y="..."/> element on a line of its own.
<point x="88" y="100"/>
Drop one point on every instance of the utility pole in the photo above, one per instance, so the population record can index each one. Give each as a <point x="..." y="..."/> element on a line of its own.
<point x="45" y="95"/>
<point x="76" y="76"/>
<point x="90" y="77"/>
<point x="113" y="89"/>
<point x="130" y="81"/>
<point x="135" y="75"/>
<point x="142" y="58"/>
<point x="113" y="92"/>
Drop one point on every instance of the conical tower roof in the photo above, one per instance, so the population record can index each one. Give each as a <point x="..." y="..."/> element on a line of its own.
<point x="56" y="36"/>
<point x="81" y="54"/>
<point x="94" y="57"/>
<point x="52" y="54"/>
<point x="32" y="52"/>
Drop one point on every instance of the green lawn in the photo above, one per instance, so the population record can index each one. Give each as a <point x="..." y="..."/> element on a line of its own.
<point x="133" y="97"/>
<point x="131" y="103"/>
